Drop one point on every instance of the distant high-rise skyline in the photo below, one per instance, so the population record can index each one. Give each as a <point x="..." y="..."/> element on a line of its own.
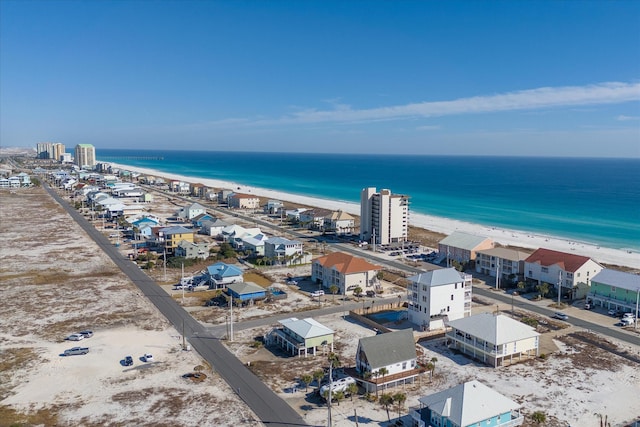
<point x="85" y="155"/>
<point x="384" y="216"/>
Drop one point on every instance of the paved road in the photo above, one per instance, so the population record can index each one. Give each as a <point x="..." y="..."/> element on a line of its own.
<point x="400" y="266"/>
<point x="269" y="407"/>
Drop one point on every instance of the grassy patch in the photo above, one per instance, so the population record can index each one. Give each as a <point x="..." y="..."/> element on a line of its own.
<point x="9" y="417"/>
<point x="13" y="360"/>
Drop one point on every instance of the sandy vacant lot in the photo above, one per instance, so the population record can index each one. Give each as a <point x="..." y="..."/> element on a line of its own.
<point x="55" y="281"/>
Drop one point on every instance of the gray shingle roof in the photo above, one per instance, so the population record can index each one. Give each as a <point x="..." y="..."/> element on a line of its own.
<point x="494" y="329"/>
<point x="443" y="276"/>
<point x="387" y="349"/>
<point x="461" y="240"/>
<point x="617" y="278"/>
<point x="469" y="403"/>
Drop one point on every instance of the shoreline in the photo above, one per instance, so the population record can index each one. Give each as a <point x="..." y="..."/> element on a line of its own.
<point x="443" y="225"/>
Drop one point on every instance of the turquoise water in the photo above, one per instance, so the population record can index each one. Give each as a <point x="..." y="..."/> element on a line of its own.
<point x="591" y="200"/>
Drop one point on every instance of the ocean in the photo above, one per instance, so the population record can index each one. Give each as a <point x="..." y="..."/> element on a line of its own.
<point x="583" y="199"/>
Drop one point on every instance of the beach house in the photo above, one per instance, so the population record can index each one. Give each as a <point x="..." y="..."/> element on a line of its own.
<point x="462" y="247"/>
<point x="386" y="360"/>
<point x="343" y="270"/>
<point x="243" y="201"/>
<point x="384" y="216"/>
<point x="313" y="218"/>
<point x="471" y="404"/>
<point x="170" y="237"/>
<point x="282" y="250"/>
<point x="496" y="340"/>
<point x="340" y="223"/>
<point x="191" y="250"/>
<point x="246" y="292"/>
<point x="301" y="337"/>
<point x="505" y="264"/>
<point x="438" y="296"/>
<point x="191" y="211"/>
<point x="213" y="227"/>
<point x="570" y="274"/>
<point x="221" y="274"/>
<point x="615" y="290"/>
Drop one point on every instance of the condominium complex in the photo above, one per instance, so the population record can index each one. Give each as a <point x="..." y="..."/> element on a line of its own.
<point x="50" y="150"/>
<point x="85" y="155"/>
<point x="384" y="217"/>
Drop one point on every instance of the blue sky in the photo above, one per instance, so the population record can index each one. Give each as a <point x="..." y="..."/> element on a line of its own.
<point x="550" y="78"/>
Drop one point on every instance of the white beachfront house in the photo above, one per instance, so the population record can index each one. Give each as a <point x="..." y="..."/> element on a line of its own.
<point x="393" y="351"/>
<point x="471" y="404"/>
<point x="283" y="250"/>
<point x="496" y="340"/>
<point x="438" y="296"/>
<point x="573" y="273"/>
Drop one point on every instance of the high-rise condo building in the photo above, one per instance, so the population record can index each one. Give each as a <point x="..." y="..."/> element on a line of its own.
<point x="85" y="155"/>
<point x="384" y="217"/>
<point x="50" y="150"/>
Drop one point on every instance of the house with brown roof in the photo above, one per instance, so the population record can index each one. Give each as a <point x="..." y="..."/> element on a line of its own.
<point x="504" y="263"/>
<point x="570" y="273"/>
<point x="463" y="247"/>
<point x="244" y="201"/>
<point x="339" y="222"/>
<point x="343" y="270"/>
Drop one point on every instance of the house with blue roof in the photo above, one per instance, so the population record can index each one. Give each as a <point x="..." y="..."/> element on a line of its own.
<point x="221" y="274"/>
<point x="471" y="404"/>
<point x="282" y="250"/>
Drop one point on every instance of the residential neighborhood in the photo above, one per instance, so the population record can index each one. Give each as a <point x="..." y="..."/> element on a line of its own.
<point x="244" y="258"/>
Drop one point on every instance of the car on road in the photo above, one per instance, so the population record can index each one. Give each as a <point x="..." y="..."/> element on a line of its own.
<point x="316" y="294"/>
<point x="561" y="316"/>
<point x="75" y="337"/>
<point x="86" y="334"/>
<point x="74" y="351"/>
<point x="128" y="361"/>
<point x="147" y="357"/>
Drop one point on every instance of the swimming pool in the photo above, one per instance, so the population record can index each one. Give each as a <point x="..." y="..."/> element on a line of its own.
<point x="389" y="316"/>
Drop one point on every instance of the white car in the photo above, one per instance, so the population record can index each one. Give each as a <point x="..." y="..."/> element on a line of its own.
<point x="148" y="357"/>
<point x="291" y="282"/>
<point x="337" y="385"/>
<point x="316" y="294"/>
<point x="628" y="316"/>
<point x="75" y="337"/>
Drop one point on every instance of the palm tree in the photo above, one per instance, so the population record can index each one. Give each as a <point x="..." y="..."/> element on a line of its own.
<point x="434" y="360"/>
<point x="352" y="389"/>
<point x="334" y="290"/>
<point x="318" y="376"/>
<point x="398" y="401"/>
<point x="337" y="395"/>
<point x="543" y="288"/>
<point x="375" y="375"/>
<point x="306" y="379"/>
<point x="386" y="400"/>
<point x="430" y="367"/>
<point x="383" y="371"/>
<point x="521" y="286"/>
<point x="539" y="417"/>
<point x="357" y="291"/>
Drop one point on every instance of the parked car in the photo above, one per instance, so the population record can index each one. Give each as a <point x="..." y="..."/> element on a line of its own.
<point x="75" y="337"/>
<point x="612" y="312"/>
<point x="628" y="316"/>
<point x="196" y="375"/>
<point x="316" y="294"/>
<point x="86" y="334"/>
<point x="74" y="351"/>
<point x="560" y="316"/>
<point x="148" y="357"/>
<point x="128" y="361"/>
<point x="627" y="321"/>
<point x="341" y="384"/>
<point x="292" y="282"/>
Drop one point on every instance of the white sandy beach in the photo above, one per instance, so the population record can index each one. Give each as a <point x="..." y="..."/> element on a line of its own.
<point x="438" y="224"/>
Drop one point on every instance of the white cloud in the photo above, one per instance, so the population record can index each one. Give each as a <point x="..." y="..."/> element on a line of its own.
<point x="531" y="99"/>
<point x="627" y="118"/>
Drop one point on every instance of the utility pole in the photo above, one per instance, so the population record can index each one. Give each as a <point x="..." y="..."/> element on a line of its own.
<point x="329" y="421"/>
<point x="498" y="274"/>
<point x="559" y="287"/>
<point x="230" y="317"/>
<point x="165" y="262"/>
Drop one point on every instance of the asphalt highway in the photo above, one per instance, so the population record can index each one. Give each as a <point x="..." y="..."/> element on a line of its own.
<point x="269" y="407"/>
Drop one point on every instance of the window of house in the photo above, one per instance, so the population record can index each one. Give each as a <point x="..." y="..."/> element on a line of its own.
<point x="451" y="297"/>
<point x="448" y="309"/>
<point x="545" y="269"/>
<point x="613" y="289"/>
